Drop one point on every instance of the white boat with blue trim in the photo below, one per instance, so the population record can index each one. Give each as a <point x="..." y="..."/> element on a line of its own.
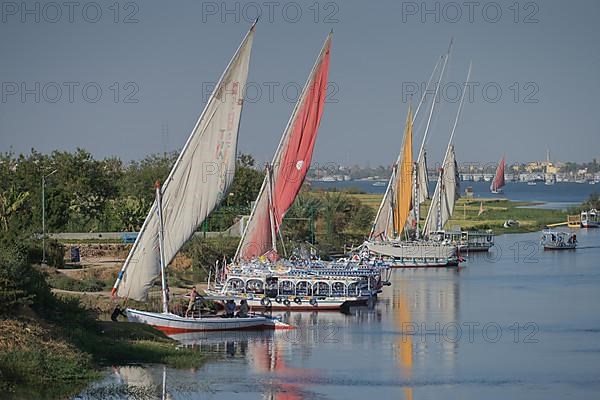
<point x="170" y="323"/>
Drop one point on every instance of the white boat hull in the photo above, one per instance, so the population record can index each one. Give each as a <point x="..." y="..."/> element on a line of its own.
<point x="293" y="303"/>
<point x="418" y="255"/>
<point x="172" y="323"/>
<point x="471" y="248"/>
<point x="590" y="224"/>
<point x="563" y="246"/>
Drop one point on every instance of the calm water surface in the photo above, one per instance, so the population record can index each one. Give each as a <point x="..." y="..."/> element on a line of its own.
<point x="516" y="323"/>
<point x="560" y="195"/>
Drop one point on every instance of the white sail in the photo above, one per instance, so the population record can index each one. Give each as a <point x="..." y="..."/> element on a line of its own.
<point x="197" y="183"/>
<point x="445" y="195"/>
<point x="422" y="177"/>
<point x="382" y="225"/>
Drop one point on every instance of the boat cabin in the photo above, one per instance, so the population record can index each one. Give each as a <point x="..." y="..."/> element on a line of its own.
<point x="275" y="286"/>
<point x="473" y="240"/>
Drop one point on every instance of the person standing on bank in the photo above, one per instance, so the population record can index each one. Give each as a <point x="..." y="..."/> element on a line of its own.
<point x="192" y="304"/>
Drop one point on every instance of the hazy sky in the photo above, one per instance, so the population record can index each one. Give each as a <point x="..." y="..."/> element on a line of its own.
<point x="155" y="60"/>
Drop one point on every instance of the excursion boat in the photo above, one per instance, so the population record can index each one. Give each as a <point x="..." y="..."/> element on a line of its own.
<point x="590" y="219"/>
<point x="182" y="205"/>
<point x="298" y="286"/>
<point x="296" y="293"/>
<point x="469" y="241"/>
<point x="417" y="254"/>
<point x="558" y="240"/>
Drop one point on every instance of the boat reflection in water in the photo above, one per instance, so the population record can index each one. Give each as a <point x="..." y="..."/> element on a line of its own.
<point x="330" y="355"/>
<point x="266" y="354"/>
<point x="424" y="312"/>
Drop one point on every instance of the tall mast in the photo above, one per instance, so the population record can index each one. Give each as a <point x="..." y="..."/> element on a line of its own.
<point x="267" y="182"/>
<point x="440" y="188"/>
<point x="161" y="249"/>
<point x="437" y="87"/>
<point x="271" y="216"/>
<point x="417" y="204"/>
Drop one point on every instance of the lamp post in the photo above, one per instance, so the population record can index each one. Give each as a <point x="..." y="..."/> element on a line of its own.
<point x="44" y="215"/>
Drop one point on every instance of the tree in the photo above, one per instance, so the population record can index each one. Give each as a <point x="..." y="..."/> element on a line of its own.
<point x="300" y="219"/>
<point x="334" y="206"/>
<point x="129" y="213"/>
<point x="10" y="202"/>
<point x="246" y="183"/>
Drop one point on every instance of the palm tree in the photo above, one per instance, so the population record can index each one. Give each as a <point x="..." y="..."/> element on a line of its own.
<point x="333" y="207"/>
<point x="10" y="202"/>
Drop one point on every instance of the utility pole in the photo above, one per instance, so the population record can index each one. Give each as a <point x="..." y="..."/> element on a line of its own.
<point x="44" y="215"/>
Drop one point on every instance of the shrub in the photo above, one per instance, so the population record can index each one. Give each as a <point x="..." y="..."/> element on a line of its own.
<point x="20" y="283"/>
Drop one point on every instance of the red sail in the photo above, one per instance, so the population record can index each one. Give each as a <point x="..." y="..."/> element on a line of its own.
<point x="298" y="154"/>
<point x="290" y="165"/>
<point x="498" y="181"/>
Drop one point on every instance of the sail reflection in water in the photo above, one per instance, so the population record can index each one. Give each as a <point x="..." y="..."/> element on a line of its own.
<point x="381" y="347"/>
<point x="422" y="311"/>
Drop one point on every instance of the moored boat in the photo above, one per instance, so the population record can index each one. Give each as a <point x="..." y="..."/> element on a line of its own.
<point x="467" y="241"/>
<point x="181" y="205"/>
<point x="590" y="219"/>
<point x="267" y="286"/>
<point x="558" y="240"/>
<point x="395" y="235"/>
<point x="170" y="323"/>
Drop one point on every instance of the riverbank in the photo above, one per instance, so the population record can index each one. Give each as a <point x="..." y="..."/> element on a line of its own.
<point x="56" y="359"/>
<point x="481" y="214"/>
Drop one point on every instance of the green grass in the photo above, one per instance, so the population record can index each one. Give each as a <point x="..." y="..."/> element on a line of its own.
<point x="89" y="284"/>
<point x="496" y="211"/>
<point x="54" y="360"/>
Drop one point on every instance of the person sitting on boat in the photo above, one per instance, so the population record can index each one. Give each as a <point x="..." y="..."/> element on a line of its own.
<point x="229" y="309"/>
<point x="243" y="313"/>
<point x="192" y="303"/>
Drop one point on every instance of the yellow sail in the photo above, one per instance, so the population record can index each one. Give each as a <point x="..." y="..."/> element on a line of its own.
<point x="403" y="193"/>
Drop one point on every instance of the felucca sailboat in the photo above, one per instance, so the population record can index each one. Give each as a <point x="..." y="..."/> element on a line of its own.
<point x="396" y="233"/>
<point x="189" y="194"/>
<point x="447" y="189"/>
<point x="444" y="200"/>
<point x="258" y="274"/>
<point x="498" y="181"/>
<point x="285" y="174"/>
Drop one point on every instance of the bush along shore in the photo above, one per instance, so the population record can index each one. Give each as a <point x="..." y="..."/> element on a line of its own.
<point x="51" y="347"/>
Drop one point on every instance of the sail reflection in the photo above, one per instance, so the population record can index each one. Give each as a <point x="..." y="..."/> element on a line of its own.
<point x="422" y="303"/>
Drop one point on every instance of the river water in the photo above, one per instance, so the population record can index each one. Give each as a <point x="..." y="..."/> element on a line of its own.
<point x="560" y="195"/>
<point x="515" y="323"/>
